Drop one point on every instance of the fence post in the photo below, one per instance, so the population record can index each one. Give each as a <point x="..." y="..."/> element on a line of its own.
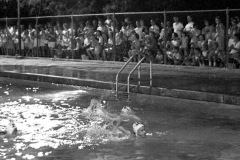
<point x="19" y="29"/>
<point x="226" y="38"/>
<point x="165" y="38"/>
<point x="7" y="35"/>
<point x="72" y="37"/>
<point x="37" y="35"/>
<point x="114" y="36"/>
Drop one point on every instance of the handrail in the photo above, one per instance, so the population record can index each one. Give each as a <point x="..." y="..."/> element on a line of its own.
<point x="123" y="67"/>
<point x="128" y="80"/>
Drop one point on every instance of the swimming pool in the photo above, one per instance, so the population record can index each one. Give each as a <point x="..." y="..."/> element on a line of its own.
<point x="50" y="126"/>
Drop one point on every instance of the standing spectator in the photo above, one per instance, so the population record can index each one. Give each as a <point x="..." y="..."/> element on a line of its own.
<point x="65" y="36"/>
<point x="135" y="48"/>
<point x="150" y="49"/>
<point x="95" y="25"/>
<point x="43" y="41"/>
<point x="80" y="30"/>
<point x="184" y="40"/>
<point x="206" y="29"/>
<point x="235" y="48"/>
<point x="142" y="24"/>
<point x="233" y="29"/>
<point x="189" y="26"/>
<point x="51" y="41"/>
<point x="154" y="28"/>
<point x="108" y="20"/>
<point x="177" y="26"/>
<point x="238" y="21"/>
<point x="104" y="31"/>
<point x="138" y="30"/>
<point x="220" y="33"/>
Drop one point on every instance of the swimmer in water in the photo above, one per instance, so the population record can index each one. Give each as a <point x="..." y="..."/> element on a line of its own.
<point x="112" y="123"/>
<point x="126" y="115"/>
<point x="97" y="109"/>
<point x="120" y="133"/>
<point x="7" y="127"/>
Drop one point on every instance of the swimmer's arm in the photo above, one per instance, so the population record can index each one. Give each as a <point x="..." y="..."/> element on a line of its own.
<point x="126" y="132"/>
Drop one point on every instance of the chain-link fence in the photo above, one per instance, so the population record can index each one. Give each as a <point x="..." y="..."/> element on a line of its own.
<point x="71" y="37"/>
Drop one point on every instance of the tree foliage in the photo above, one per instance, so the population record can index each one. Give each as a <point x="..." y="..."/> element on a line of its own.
<point x="61" y="7"/>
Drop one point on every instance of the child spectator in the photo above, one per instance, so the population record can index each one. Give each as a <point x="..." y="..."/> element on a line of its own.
<point x="205" y="54"/>
<point x="174" y="56"/>
<point x="184" y="44"/>
<point x="213" y="53"/>
<point x="177" y="58"/>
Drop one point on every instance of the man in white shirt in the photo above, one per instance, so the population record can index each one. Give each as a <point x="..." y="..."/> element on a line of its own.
<point x="189" y="27"/>
<point x="177" y="26"/>
<point x="154" y="27"/>
<point x="138" y="30"/>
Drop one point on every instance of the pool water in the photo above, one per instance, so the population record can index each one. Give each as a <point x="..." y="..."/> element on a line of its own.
<point x="51" y="127"/>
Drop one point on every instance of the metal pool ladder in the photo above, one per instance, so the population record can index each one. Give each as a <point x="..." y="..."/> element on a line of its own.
<point x="138" y="65"/>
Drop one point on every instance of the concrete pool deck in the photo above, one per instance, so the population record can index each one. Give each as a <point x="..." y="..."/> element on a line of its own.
<point x="221" y="85"/>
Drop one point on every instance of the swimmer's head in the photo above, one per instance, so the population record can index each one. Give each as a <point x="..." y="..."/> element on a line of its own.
<point x="139" y="129"/>
<point x="126" y="109"/>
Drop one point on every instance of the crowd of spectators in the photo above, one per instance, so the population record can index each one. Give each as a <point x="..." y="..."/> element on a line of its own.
<point x="94" y="40"/>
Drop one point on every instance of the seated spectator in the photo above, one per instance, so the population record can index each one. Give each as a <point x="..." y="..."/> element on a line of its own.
<point x="97" y="45"/>
<point x="159" y="57"/>
<point x="204" y="56"/>
<point x="121" y="46"/>
<point x="79" y="45"/>
<point x="174" y="56"/>
<point x="108" y="48"/>
<point x="175" y="42"/>
<point x="86" y="45"/>
<point x="213" y="53"/>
